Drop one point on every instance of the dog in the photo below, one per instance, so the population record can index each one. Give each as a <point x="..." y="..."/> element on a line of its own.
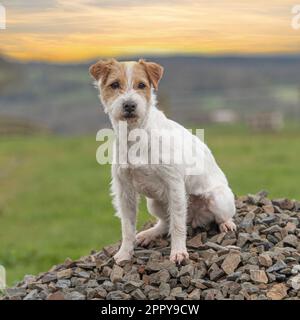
<point x="128" y="94"/>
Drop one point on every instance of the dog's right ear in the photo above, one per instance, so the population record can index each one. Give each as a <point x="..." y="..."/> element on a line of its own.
<point x="101" y="69"/>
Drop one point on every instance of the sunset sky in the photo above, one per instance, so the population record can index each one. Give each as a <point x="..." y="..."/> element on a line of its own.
<point x="71" y="30"/>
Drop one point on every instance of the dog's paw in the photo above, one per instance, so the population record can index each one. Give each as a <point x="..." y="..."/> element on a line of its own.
<point x="178" y="256"/>
<point x="227" y="226"/>
<point x="143" y="238"/>
<point x="122" y="256"/>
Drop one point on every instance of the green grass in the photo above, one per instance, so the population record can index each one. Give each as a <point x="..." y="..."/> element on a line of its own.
<point x="54" y="197"/>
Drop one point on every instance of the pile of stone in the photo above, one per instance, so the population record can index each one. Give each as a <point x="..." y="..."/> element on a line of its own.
<point x="261" y="260"/>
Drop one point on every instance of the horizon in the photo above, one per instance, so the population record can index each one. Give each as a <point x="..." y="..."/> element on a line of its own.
<point x="74" y="31"/>
<point x="135" y="57"/>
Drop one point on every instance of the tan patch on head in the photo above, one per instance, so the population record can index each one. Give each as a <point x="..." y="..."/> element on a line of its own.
<point x="115" y="74"/>
<point x="154" y="72"/>
<point x="140" y="77"/>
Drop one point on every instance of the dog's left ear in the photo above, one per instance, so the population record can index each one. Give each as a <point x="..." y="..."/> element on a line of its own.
<point x="154" y="71"/>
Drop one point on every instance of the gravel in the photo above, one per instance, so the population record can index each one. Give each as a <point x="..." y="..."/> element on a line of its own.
<point x="261" y="260"/>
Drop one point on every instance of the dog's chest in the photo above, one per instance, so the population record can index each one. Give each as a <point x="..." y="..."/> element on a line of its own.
<point x="147" y="182"/>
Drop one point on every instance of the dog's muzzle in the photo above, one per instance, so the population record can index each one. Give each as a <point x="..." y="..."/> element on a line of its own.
<point x="129" y="108"/>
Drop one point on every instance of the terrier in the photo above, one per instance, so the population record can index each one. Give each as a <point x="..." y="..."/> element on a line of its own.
<point x="175" y="198"/>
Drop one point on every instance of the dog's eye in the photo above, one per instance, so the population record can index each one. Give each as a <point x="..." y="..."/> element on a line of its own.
<point x="141" y="85"/>
<point x="115" y="85"/>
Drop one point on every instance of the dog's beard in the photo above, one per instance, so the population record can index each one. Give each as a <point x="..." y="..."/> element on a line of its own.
<point x="136" y="118"/>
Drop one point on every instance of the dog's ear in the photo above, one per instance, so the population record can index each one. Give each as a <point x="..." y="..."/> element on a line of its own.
<point x="154" y="71"/>
<point x="101" y="69"/>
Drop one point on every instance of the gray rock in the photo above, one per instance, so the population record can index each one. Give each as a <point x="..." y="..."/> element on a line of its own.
<point x="48" y="277"/>
<point x="100" y="292"/>
<point x="92" y="284"/>
<point x="272" y="239"/>
<point x="295" y="282"/>
<point x="118" y="295"/>
<point x="231" y="262"/>
<point x="234" y="276"/>
<point x="32" y="295"/>
<point x="132" y="285"/>
<point x="164" y="289"/>
<point x="247" y="222"/>
<point x="119" y="286"/>
<point x="279" y="277"/>
<point x="16" y="292"/>
<point x="106" y="271"/>
<point x="189" y="269"/>
<point x="211" y="294"/>
<point x="243" y="238"/>
<point x="160" y="276"/>
<point x="291" y="240"/>
<point x="63" y="283"/>
<point x="270" y="219"/>
<point x="215" y="272"/>
<point x="173" y="283"/>
<point x="249" y="287"/>
<point x="277" y="266"/>
<point x="138" y="294"/>
<point x="296" y="269"/>
<point x="74" y="295"/>
<point x="195" y="242"/>
<point x="90" y="293"/>
<point x="84" y="274"/>
<point x="154" y="294"/>
<point x="178" y="294"/>
<point x="271" y="229"/>
<point x="284" y="204"/>
<point x="195" y="294"/>
<point x="185" y="281"/>
<point x="75" y="282"/>
<point x="265" y="260"/>
<point x="108" y="286"/>
<point x="116" y="274"/>
<point x="230" y="287"/>
<point x="176" y="291"/>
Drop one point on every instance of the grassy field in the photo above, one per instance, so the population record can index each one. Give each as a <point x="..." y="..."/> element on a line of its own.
<point x="54" y="197"/>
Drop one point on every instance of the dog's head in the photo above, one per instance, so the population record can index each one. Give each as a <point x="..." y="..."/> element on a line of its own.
<point x="126" y="87"/>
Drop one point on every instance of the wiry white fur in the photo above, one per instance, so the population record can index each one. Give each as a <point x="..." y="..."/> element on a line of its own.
<point x="172" y="196"/>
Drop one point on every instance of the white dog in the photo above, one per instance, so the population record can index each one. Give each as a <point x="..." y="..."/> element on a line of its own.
<point x="174" y="197"/>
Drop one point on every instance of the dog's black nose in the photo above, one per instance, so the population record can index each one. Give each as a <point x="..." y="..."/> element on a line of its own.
<point x="129" y="106"/>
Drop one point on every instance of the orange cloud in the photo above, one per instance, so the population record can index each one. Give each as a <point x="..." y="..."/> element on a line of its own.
<point x="66" y="30"/>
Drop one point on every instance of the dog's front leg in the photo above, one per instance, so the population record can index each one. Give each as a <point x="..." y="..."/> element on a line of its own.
<point x="126" y="202"/>
<point x="178" y="216"/>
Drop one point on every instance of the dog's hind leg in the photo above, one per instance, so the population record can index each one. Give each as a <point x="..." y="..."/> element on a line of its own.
<point x="159" y="210"/>
<point x="221" y="204"/>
